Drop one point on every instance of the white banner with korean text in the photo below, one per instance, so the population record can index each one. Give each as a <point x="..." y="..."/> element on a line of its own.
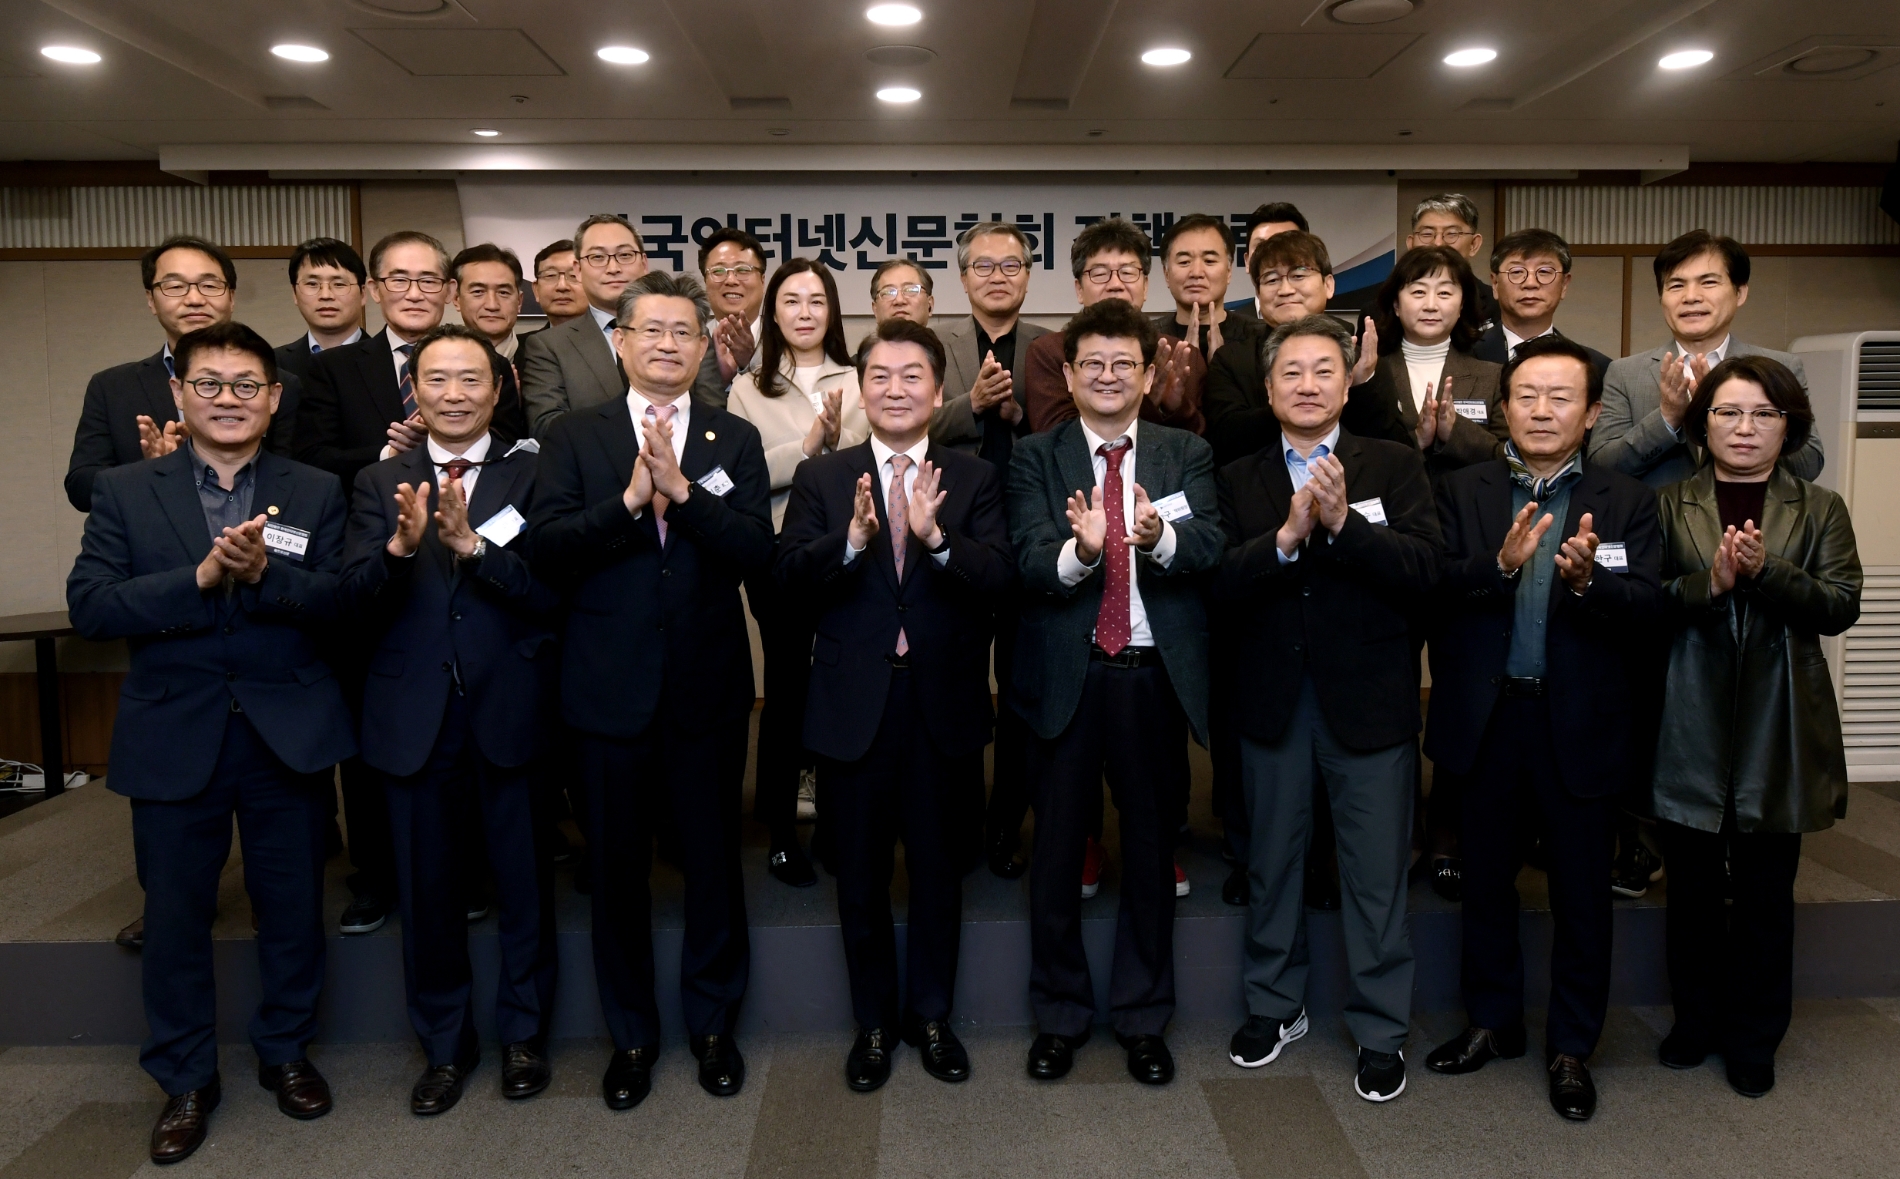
<point x="852" y="226"/>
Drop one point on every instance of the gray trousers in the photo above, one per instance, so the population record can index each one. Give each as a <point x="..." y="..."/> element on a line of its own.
<point x="1371" y="795"/>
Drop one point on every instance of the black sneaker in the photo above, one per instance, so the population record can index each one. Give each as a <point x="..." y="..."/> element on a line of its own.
<point x="1448" y="878"/>
<point x="1634" y="871"/>
<point x="1381" y="1075"/>
<point x="1259" y="1040"/>
<point x="366" y="914"/>
<point x="789" y="865"/>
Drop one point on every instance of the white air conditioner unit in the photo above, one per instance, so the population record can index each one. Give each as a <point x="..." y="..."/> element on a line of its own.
<point x="1854" y="379"/>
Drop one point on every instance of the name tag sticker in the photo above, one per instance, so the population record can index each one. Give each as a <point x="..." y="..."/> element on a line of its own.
<point x="281" y="540"/>
<point x="1174" y="508"/>
<point x="1372" y="509"/>
<point x="1474" y="409"/>
<point x="1611" y="556"/>
<point x="716" y="481"/>
<point x="502" y="527"/>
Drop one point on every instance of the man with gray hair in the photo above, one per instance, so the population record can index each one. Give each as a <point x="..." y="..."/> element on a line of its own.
<point x="1451" y="219"/>
<point x="573" y="366"/>
<point x="1330" y="539"/>
<point x="648" y="512"/>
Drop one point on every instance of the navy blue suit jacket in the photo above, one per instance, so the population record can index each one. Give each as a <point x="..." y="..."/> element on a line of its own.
<point x="946" y="613"/>
<point x="194" y="652"/>
<point x="650" y="630"/>
<point x="429" y="622"/>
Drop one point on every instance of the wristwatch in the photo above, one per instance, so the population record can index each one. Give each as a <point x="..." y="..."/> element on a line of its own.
<point x="475" y="554"/>
<point x="942" y="547"/>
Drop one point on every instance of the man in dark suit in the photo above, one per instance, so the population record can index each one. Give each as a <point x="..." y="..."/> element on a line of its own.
<point x="1537" y="642"/>
<point x="902" y="548"/>
<point x="453" y="709"/>
<point x="733" y="262"/>
<point x="648" y="513"/>
<point x="574" y="366"/>
<point x="1530" y="275"/>
<point x="557" y="284"/>
<point x="1332" y="544"/>
<point x="1115" y="532"/>
<point x="129" y="415"/>
<point x="326" y="281"/>
<point x="213" y="562"/>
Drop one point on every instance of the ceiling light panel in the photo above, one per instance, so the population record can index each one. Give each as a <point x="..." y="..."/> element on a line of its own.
<point x="899" y="94"/>
<point x="1166" y="57"/>
<point x="1686" y="59"/>
<point x="302" y="53"/>
<point x="70" y="55"/>
<point x="1466" y="58"/>
<point x="893" y="15"/>
<point x="622" y="55"/>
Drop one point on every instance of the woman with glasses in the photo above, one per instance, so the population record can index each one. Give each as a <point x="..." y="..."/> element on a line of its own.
<point x="1758" y="566"/>
<point x="901" y="289"/>
<point x="803" y="397"/>
<point x="1427" y="318"/>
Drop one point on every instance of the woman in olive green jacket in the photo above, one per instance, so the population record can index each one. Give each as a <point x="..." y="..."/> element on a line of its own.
<point x="1757" y="566"/>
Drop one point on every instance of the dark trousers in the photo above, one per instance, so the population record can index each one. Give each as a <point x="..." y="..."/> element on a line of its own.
<point x="1009" y="759"/>
<point x="1731" y="965"/>
<point x="1129" y="726"/>
<point x="281" y="816"/>
<point x="697" y="777"/>
<point x="902" y="788"/>
<point x="1513" y="790"/>
<point x="366" y="814"/>
<point x="427" y="818"/>
<point x="785" y="637"/>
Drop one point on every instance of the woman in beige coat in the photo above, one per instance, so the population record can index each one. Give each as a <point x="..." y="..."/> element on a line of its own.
<point x="807" y="406"/>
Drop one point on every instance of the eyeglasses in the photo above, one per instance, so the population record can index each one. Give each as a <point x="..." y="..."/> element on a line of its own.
<point x="1519" y="276"/>
<point x="984" y="267"/>
<point x="468" y="382"/>
<point x="175" y="288"/>
<point x="558" y="278"/>
<point x="1299" y="276"/>
<point x="741" y="272"/>
<point x="1122" y="369"/>
<point x="323" y="286"/>
<point x="1731" y="417"/>
<point x="913" y="289"/>
<point x="1100" y="275"/>
<point x="209" y="387"/>
<point x="652" y="333"/>
<point x="428" y="284"/>
<point x="626" y="257"/>
<point x="1444" y="237"/>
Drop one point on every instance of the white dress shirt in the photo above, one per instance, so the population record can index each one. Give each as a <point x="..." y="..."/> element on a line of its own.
<point x="605" y="320"/>
<point x="310" y="342"/>
<point x="885" y="469"/>
<point x="1512" y="339"/>
<point x="474" y="454"/>
<point x="1071" y="570"/>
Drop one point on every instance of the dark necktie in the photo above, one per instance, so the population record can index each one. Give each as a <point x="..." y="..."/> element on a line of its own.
<point x="1112" y="624"/>
<point x="407" y="381"/>
<point x="458" y="468"/>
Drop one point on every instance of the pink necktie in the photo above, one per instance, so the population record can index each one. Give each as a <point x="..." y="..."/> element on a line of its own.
<point x="899" y="511"/>
<point x="664" y="413"/>
<point x="1111" y="624"/>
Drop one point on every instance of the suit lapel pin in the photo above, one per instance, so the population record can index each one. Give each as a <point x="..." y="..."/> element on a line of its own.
<point x="710" y="436"/>
<point x="272" y="510"/>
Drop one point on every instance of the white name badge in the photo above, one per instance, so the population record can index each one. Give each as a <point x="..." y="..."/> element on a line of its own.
<point x="281" y="540"/>
<point x="502" y="527"/>
<point x="716" y="481"/>
<point x="1474" y="409"/>
<point x="1611" y="556"/>
<point x="1174" y="508"/>
<point x="1372" y="509"/>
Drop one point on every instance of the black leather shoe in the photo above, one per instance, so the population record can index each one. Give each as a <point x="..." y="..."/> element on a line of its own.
<point x="1678" y="1051"/>
<point x="302" y="1093"/>
<point x="182" y="1124"/>
<point x="1233" y="890"/>
<point x="1572" y="1093"/>
<point x="524" y="1069"/>
<point x="1007" y="862"/>
<point x="1448" y="881"/>
<point x="1149" y="1060"/>
<point x="1473" y="1048"/>
<point x="1052" y="1056"/>
<point x="721" y="1068"/>
<point x="790" y="865"/>
<point x="366" y="914"/>
<point x="629" y="1077"/>
<point x="1751" y="1080"/>
<point x="132" y="937"/>
<point x="438" y="1089"/>
<point x="868" y="1065"/>
<point x="942" y="1053"/>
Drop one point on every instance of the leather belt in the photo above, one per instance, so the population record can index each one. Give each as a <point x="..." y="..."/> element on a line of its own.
<point x="1525" y="687"/>
<point x="1127" y="656"/>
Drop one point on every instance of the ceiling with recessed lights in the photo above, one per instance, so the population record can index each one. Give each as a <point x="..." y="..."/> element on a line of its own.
<point x="1762" y="80"/>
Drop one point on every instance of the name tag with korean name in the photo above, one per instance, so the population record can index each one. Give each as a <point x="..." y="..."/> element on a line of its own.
<point x="1372" y="509"/>
<point x="716" y="481"/>
<point x="1611" y="556"/>
<point x="1474" y="409"/>
<point x="281" y="540"/>
<point x="1174" y="508"/>
<point x="502" y="527"/>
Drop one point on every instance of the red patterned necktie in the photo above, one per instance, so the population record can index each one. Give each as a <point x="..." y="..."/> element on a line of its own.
<point x="1111" y="624"/>
<point x="664" y="413"/>
<point x="458" y="468"/>
<point x="898" y="509"/>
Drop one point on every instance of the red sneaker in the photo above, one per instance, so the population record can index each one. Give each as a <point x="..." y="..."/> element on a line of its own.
<point x="1180" y="879"/>
<point x="1092" y="858"/>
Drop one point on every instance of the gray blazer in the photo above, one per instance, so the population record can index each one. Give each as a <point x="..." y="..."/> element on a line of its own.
<point x="1058" y="621"/>
<point x="1632" y="437"/>
<point x="953" y="424"/>
<point x="567" y="368"/>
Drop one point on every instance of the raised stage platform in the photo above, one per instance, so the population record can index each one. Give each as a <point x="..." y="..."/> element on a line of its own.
<point x="66" y="865"/>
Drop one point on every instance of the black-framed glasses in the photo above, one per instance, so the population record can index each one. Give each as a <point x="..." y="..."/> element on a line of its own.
<point x="1443" y="237"/>
<point x="323" y="286"/>
<point x="1011" y="267"/>
<point x="428" y="284"/>
<point x="209" y="388"/>
<point x="913" y="289"/>
<point x="176" y="288"/>
<point x="742" y="271"/>
<point x="1731" y="416"/>
<point x="1121" y="369"/>
<point x="1101" y="274"/>
<point x="626" y="256"/>
<point x="1298" y="276"/>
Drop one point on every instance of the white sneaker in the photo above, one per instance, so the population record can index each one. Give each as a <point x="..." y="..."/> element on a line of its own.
<point x="807" y="796"/>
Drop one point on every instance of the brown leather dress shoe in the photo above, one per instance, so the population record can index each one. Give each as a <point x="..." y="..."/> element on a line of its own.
<point x="181" y="1126"/>
<point x="302" y="1093"/>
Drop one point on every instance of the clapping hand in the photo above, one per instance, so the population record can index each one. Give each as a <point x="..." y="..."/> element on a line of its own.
<point x="451" y="518"/>
<point x="1175" y="362"/>
<point x="157" y="442"/>
<point x="733" y="345"/>
<point x="412" y="516"/>
<point x="407" y="434"/>
<point x="668" y="479"/>
<point x="1146" y="532"/>
<point x="1328" y="486"/>
<point x="1750" y="551"/>
<point x="924" y="500"/>
<point x="1520" y="543"/>
<point x="993" y="388"/>
<point x="1679" y="376"/>
<point x="1577" y="558"/>
<point x="1368" y="353"/>
<point x="863" y="515"/>
<point x="1301" y="515"/>
<point x="1088" y="520"/>
<point x="1438" y="417"/>
<point x="823" y="434"/>
<point x="639" y="491"/>
<point x="1722" y="573"/>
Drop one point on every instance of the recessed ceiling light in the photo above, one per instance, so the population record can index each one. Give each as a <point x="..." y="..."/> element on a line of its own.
<point x="71" y="55"/>
<point x="486" y="132"/>
<point x="893" y="14"/>
<point x="300" y="53"/>
<point x="1686" y="59"/>
<point x="622" y="54"/>
<point x="899" y="94"/>
<point x="1166" y="57"/>
<point x="1471" y="57"/>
